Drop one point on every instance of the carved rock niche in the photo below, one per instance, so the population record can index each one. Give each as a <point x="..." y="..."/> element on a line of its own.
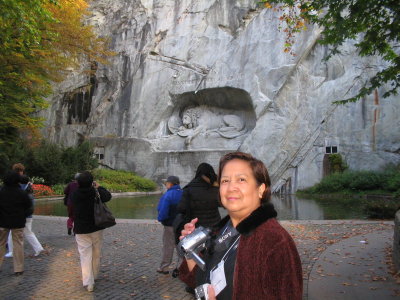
<point x="209" y="119"/>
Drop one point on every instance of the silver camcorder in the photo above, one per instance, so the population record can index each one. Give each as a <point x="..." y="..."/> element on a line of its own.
<point x="201" y="292"/>
<point x="191" y="245"/>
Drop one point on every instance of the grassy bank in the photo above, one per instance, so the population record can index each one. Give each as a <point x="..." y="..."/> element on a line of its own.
<point x="115" y="181"/>
<point x="123" y="181"/>
<point x="379" y="192"/>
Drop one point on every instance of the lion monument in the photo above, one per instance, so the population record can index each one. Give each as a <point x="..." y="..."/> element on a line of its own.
<point x="201" y="120"/>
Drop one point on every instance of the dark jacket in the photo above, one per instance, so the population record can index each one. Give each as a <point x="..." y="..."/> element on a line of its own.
<point x="267" y="264"/>
<point x="167" y="206"/>
<point x="15" y="207"/>
<point x="83" y="201"/>
<point x="200" y="200"/>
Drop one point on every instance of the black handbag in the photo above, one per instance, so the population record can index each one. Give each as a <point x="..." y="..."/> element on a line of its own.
<point x="102" y="214"/>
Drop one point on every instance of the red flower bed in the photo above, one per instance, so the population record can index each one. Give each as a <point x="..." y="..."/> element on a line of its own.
<point x="40" y="190"/>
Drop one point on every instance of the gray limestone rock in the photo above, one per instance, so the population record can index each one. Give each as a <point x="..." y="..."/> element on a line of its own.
<point x="222" y="63"/>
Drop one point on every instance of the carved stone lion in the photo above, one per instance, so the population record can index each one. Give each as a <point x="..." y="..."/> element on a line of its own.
<point x="201" y="120"/>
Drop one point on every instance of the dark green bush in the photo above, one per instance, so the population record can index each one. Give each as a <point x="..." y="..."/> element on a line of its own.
<point x="13" y="153"/>
<point x="393" y="182"/>
<point x="334" y="183"/>
<point x="47" y="163"/>
<point x="366" y="180"/>
<point x="77" y="159"/>
<point x="52" y="162"/>
<point x="331" y="184"/>
<point x="387" y="181"/>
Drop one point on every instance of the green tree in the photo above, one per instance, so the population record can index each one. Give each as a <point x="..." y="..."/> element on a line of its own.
<point x="40" y="41"/>
<point x="52" y="162"/>
<point x="77" y="159"/>
<point x="375" y="24"/>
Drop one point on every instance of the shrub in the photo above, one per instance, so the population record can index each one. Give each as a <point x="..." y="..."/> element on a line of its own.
<point x="144" y="184"/>
<point x="52" y="162"/>
<point x="356" y="181"/>
<point x="334" y="183"/>
<point x="337" y="164"/>
<point x="366" y="180"/>
<point x="13" y="153"/>
<point x="381" y="209"/>
<point x="58" y="189"/>
<point x="47" y="163"/>
<point x="392" y="182"/>
<point x="123" y="181"/>
<point x="77" y="159"/>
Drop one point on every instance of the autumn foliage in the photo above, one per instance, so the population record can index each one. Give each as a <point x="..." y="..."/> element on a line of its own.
<point x="41" y="40"/>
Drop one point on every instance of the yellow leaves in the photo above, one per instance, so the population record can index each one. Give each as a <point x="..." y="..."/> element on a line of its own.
<point x="267" y="5"/>
<point x="299" y="24"/>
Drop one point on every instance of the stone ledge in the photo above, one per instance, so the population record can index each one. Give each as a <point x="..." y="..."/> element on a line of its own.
<point x="136" y="194"/>
<point x="113" y="194"/>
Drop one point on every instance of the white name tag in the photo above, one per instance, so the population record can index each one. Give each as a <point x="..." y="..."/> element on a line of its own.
<point x="217" y="277"/>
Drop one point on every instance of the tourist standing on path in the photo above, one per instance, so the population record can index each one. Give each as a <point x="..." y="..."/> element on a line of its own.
<point x="28" y="233"/>
<point x="167" y="211"/>
<point x="68" y="191"/>
<point x="89" y="237"/>
<point x="251" y="256"/>
<point x="15" y="206"/>
<point x="200" y="197"/>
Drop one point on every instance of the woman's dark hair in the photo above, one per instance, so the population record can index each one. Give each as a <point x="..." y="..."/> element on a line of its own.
<point x="18" y="167"/>
<point x="85" y="179"/>
<point x="206" y="170"/>
<point x="11" y="178"/>
<point x="260" y="172"/>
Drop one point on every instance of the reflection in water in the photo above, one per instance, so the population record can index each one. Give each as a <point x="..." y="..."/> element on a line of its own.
<point x="289" y="208"/>
<point x="140" y="207"/>
<point x="292" y="208"/>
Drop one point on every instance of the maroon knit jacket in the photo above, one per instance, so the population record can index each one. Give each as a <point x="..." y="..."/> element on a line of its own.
<point x="267" y="265"/>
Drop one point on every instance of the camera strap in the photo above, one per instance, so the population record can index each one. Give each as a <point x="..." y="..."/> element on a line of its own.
<point x="226" y="239"/>
<point x="227" y="242"/>
<point x="233" y="246"/>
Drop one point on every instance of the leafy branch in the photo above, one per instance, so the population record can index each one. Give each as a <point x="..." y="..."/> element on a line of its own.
<point x="374" y="24"/>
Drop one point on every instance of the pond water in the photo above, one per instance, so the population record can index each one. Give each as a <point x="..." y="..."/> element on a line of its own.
<point x="289" y="208"/>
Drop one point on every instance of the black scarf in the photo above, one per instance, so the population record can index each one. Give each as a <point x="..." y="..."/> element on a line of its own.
<point x="255" y="219"/>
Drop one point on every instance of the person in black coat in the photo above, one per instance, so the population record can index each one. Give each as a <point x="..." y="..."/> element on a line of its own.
<point x="200" y="197"/>
<point x="15" y="206"/>
<point x="89" y="237"/>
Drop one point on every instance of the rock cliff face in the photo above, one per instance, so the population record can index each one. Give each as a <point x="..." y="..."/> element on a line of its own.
<point x="192" y="80"/>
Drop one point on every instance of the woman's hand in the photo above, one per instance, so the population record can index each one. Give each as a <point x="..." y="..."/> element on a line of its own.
<point x="211" y="293"/>
<point x="188" y="228"/>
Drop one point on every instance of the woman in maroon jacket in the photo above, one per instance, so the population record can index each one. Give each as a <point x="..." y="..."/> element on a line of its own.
<point x="251" y="255"/>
